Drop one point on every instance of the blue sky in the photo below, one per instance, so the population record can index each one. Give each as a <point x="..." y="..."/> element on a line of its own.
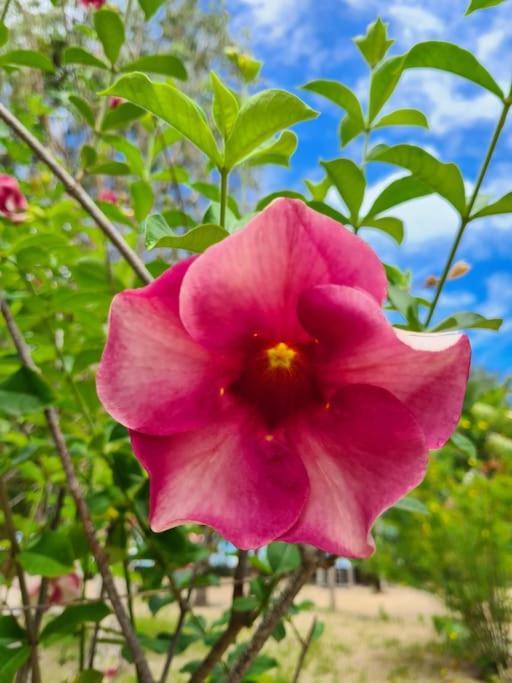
<point x="299" y="40"/>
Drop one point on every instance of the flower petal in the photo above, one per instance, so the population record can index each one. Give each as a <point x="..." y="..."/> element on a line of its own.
<point x="362" y="454"/>
<point x="226" y="475"/>
<point x="427" y="372"/>
<point x="251" y="282"/>
<point x="153" y="377"/>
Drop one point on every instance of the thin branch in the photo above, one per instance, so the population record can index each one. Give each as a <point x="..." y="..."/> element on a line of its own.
<point x="269" y="622"/>
<point x="237" y="621"/>
<point x="25" y="597"/>
<point x="466" y="218"/>
<point x="98" y="552"/>
<point x="76" y="191"/>
<point x="305" y="645"/>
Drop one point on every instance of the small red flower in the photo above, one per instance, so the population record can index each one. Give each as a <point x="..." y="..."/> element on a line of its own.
<point x="114" y="102"/>
<point x="108" y="196"/>
<point x="266" y="392"/>
<point x="12" y="201"/>
<point x="93" y="3"/>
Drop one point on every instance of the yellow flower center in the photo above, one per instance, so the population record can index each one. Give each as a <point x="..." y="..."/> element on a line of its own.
<point x="281" y="356"/>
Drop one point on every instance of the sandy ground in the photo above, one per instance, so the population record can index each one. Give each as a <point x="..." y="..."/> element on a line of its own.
<point x="369" y="638"/>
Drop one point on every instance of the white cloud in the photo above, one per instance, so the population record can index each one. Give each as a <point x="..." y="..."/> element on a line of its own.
<point x="413" y="22"/>
<point x="498" y="302"/>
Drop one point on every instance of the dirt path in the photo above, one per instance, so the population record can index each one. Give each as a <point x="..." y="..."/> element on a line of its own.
<point x="369" y="638"/>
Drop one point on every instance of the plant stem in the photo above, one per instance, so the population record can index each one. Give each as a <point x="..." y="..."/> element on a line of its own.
<point x="466" y="218"/>
<point x="97" y="550"/>
<point x="129" y="593"/>
<point x="76" y="191"/>
<point x="236" y="623"/>
<point x="25" y="598"/>
<point x="223" y="196"/>
<point x="305" y="644"/>
<point x="4" y="11"/>
<point x="269" y="622"/>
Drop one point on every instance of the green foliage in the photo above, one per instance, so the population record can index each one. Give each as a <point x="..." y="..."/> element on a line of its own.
<point x="445" y="179"/>
<point x="157" y="233"/>
<point x="475" y="5"/>
<point x="375" y="43"/>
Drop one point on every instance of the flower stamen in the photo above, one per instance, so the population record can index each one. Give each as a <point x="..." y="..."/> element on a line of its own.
<point x="281" y="356"/>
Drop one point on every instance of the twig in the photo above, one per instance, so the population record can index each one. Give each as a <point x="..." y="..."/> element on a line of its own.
<point x="273" y="616"/>
<point x="74" y="189"/>
<point x="305" y="644"/>
<point x="466" y="218"/>
<point x="29" y="622"/>
<point x="236" y="623"/>
<point x="98" y="552"/>
<point x="43" y="590"/>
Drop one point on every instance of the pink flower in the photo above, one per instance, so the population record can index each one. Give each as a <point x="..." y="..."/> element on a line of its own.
<point x="93" y="3"/>
<point x="61" y="590"/>
<point x="108" y="196"/>
<point x="266" y="393"/>
<point x="12" y="201"/>
<point x="114" y="102"/>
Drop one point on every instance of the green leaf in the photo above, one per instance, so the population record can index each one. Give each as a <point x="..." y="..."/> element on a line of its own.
<point x="375" y="43"/>
<point x="150" y="7"/>
<point x="165" y="65"/>
<point x="248" y="67"/>
<point x="349" y="129"/>
<point x="279" y="633"/>
<point x="51" y="555"/>
<point x="265" y="201"/>
<point x="463" y="444"/>
<point x="283" y="557"/>
<point x="158" y="234"/>
<point x="319" y="190"/>
<point x="110" y="168"/>
<point x="4" y="34"/>
<point x="77" y="55"/>
<point x="260" y="117"/>
<point x="29" y="58"/>
<point x="349" y="180"/>
<point x="475" y="5"/>
<point x="73" y="616"/>
<point x="245" y="604"/>
<point x="383" y="83"/>
<point x="170" y="105"/>
<point x="503" y="205"/>
<point x="393" y="227"/>
<point x="403" y="117"/>
<point x="409" y="504"/>
<point x="110" y="29"/>
<point x="398" y="192"/>
<point x="115" y="214"/>
<point x="406" y="304"/>
<point x="466" y="321"/>
<point x="445" y="179"/>
<point x="121" y="115"/>
<point x="278" y="152"/>
<point x="24" y="392"/>
<point x="338" y="93"/>
<point x="142" y="198"/>
<point x="11" y="660"/>
<point x="83" y="108"/>
<point x="454" y="59"/>
<point x="212" y="192"/>
<point x="327" y="210"/>
<point x="225" y="106"/>
<point x="131" y="152"/>
<point x="89" y="676"/>
<point x="10" y="630"/>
